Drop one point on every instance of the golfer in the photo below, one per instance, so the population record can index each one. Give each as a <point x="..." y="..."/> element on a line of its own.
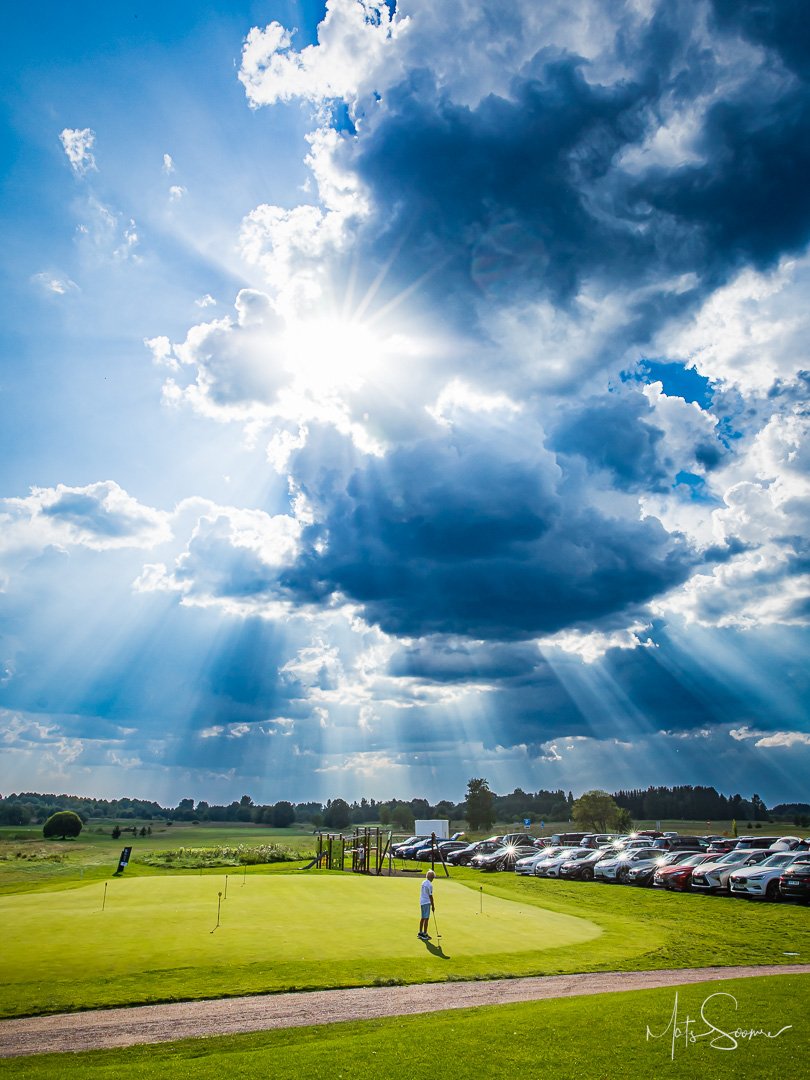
<point x="427" y="905"/>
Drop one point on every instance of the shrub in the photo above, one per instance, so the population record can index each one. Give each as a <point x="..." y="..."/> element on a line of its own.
<point x="243" y="855"/>
<point x="62" y="824"/>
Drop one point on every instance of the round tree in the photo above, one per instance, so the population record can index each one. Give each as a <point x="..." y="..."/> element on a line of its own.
<point x="283" y="815"/>
<point x="338" y="814"/>
<point x="62" y="824"/>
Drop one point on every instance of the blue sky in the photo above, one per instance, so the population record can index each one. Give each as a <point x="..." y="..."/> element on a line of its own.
<point x="394" y="397"/>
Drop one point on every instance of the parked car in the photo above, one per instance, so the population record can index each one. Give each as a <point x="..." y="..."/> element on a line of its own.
<point x="446" y="847"/>
<point x="680" y="843"/>
<point x="407" y="851"/>
<point x="642" y="873"/>
<point x="565" y="839"/>
<point x="551" y="867"/>
<point x="713" y="876"/>
<point x="415" y="839"/>
<point x="581" y="869"/>
<point x="527" y="863"/>
<point x="504" y="858"/>
<point x="722" y="845"/>
<point x="597" y="840"/>
<point x="755" y="843"/>
<point x="518" y="838"/>
<point x="762" y="881"/>
<point x="615" y="869"/>
<point x="463" y="856"/>
<point x="678" y="876"/>
<point x="794" y="884"/>
<point x="790" y="843"/>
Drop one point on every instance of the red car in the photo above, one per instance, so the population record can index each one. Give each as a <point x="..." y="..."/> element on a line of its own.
<point x="679" y="876"/>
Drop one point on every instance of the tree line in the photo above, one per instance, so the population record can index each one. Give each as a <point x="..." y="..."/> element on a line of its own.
<point x="683" y="802"/>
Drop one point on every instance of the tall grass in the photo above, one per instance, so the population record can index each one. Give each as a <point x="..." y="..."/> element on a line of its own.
<point x="192" y="858"/>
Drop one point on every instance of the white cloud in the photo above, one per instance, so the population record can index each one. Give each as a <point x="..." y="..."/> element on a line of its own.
<point x="772" y="739"/>
<point x="592" y="645"/>
<point x="168" y="163"/>
<point x="231" y="562"/>
<point x="54" y="283"/>
<point x="751" y="332"/>
<point x="78" y="145"/>
<point x="177" y="192"/>
<point x="100" y="516"/>
<point x="354" y="41"/>
<point x="205" y="301"/>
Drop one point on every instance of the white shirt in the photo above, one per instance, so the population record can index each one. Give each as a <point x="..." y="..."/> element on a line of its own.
<point x="427" y="892"/>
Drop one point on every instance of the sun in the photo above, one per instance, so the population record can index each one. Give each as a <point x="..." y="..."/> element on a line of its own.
<point x="333" y="353"/>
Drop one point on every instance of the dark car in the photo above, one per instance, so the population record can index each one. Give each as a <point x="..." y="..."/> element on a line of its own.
<point x="397" y="847"/>
<point x="443" y="849"/>
<point x="794" y="884"/>
<point x="464" y="855"/>
<point x="582" y="869"/>
<point x="504" y="858"/>
<point x="723" y="845"/>
<point x="408" y="851"/>
<point x="680" y="843"/>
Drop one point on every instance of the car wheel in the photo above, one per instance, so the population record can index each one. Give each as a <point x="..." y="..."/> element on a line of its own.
<point x="587" y="873"/>
<point x="621" y="875"/>
<point x="772" y="891"/>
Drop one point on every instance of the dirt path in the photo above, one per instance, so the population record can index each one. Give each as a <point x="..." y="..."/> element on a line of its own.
<point x="230" y="1016"/>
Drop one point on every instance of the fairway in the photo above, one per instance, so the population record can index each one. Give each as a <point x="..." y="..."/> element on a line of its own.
<point x="154" y="940"/>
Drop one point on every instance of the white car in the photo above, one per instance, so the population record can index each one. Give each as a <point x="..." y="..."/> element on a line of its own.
<point x="713" y="876"/>
<point x="615" y="869"/>
<point x="527" y="865"/>
<point x="551" y="867"/>
<point x="762" y="880"/>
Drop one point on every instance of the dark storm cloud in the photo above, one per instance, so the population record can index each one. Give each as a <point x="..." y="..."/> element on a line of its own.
<point x="493" y="194"/>
<point x="445" y="662"/>
<point x="458" y="536"/>
<point x="612" y="433"/>
<point x="528" y="194"/>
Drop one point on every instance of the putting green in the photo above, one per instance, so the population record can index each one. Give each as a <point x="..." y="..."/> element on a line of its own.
<point x="154" y="940"/>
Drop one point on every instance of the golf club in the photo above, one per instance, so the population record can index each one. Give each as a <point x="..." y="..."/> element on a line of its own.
<point x="436" y="925"/>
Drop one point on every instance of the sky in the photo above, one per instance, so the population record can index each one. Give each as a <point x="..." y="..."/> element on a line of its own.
<point x="392" y="395"/>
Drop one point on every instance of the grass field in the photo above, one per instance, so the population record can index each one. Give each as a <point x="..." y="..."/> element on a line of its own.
<point x="599" y="1037"/>
<point x="286" y="929"/>
<point x="154" y="939"/>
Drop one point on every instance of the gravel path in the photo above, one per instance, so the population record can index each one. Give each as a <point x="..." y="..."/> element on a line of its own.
<point x="230" y="1016"/>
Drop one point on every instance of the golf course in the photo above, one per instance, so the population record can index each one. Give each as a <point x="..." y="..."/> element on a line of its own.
<point x="192" y="918"/>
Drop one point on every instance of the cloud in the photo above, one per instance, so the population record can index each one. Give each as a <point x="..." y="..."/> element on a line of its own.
<point x="232" y="561"/>
<point x="773" y="739"/>
<point x="353" y="39"/>
<point x="78" y="146"/>
<point x="177" y="192"/>
<point x="168" y="163"/>
<point x="58" y="284"/>
<point x="100" y="516"/>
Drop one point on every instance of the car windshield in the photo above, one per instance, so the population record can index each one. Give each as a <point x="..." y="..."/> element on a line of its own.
<point x="777" y="860"/>
<point x="693" y="860"/>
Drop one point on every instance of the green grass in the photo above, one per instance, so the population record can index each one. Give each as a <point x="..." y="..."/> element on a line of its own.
<point x="588" y="1038"/>
<point x="287" y="929"/>
<point x="154" y="940"/>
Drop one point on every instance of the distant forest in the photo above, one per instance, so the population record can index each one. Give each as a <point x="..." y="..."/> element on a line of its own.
<point x="653" y="803"/>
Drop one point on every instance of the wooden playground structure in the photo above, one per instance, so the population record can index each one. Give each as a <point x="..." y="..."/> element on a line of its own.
<point x="366" y="851"/>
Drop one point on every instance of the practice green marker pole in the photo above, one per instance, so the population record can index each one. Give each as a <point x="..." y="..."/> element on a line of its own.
<point x="481" y="896"/>
<point x="104" y="901"/>
<point x="219" y="905"/>
<point x="244" y="874"/>
<point x="226" y="887"/>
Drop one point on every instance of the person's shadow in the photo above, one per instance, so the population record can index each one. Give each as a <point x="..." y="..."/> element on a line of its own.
<point x="436" y="950"/>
